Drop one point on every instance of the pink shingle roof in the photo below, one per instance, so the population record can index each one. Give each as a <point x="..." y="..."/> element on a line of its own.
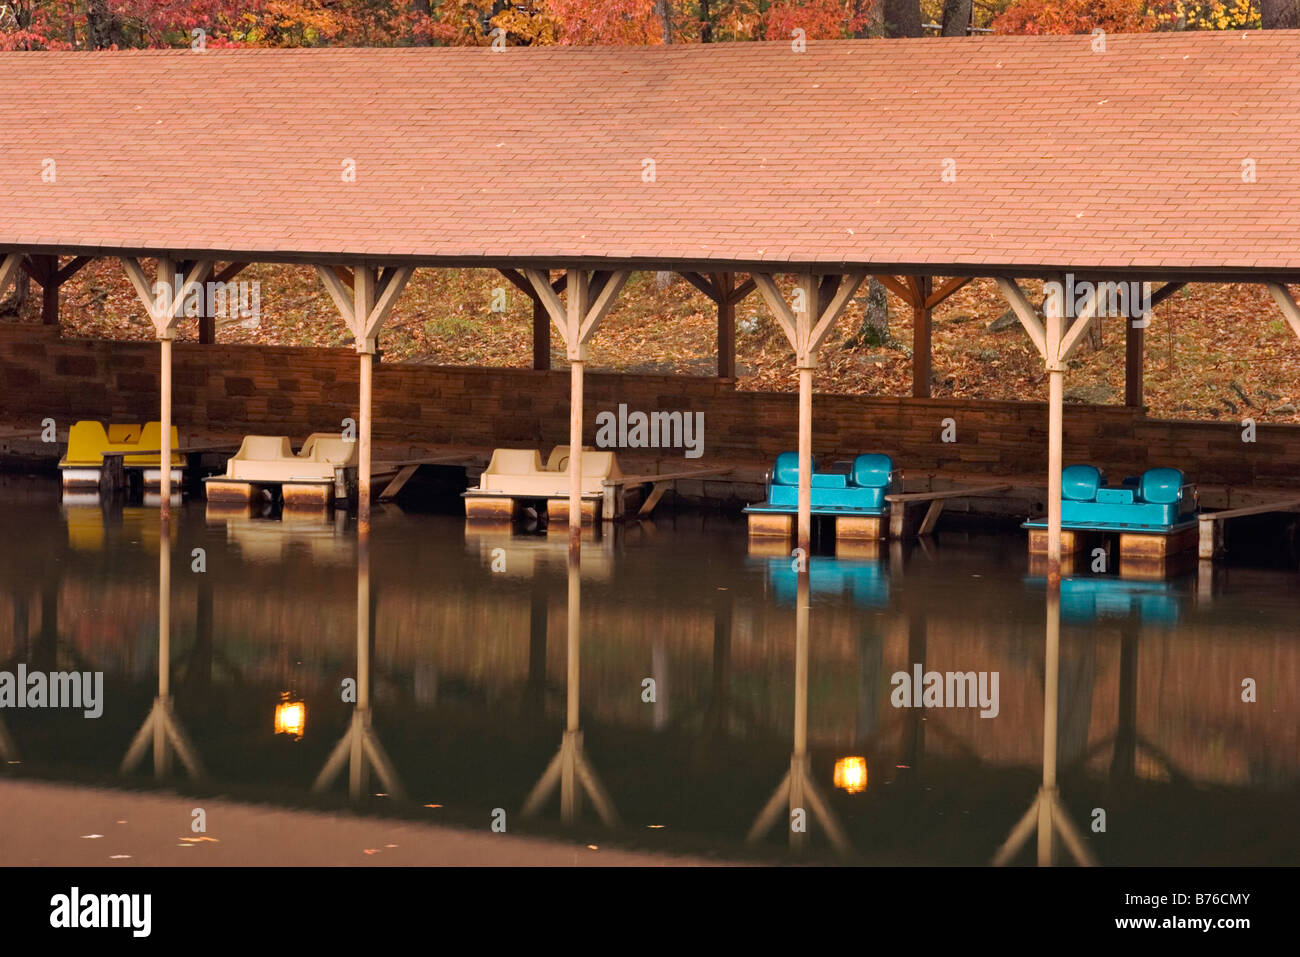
<point x="1131" y="158"/>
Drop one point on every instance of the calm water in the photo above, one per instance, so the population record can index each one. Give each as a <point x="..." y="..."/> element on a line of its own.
<point x="469" y="692"/>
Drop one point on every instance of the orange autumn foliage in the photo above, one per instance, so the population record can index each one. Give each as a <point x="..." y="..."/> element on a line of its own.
<point x="1075" y="16"/>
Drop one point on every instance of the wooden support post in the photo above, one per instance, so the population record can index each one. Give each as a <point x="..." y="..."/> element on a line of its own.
<point x="364" y="280"/>
<point x="1055" y="426"/>
<point x="50" y="292"/>
<point x="364" y="304"/>
<point x="577" y="304"/>
<point x="541" y="314"/>
<point x="577" y="321"/>
<point x="806" y="326"/>
<point x="208" y="324"/>
<point x="722" y="289"/>
<point x="803" y="527"/>
<point x="45" y="270"/>
<point x="165" y="301"/>
<point x="541" y="336"/>
<point x="723" y="282"/>
<point x="50" y="305"/>
<point x="166" y="271"/>
<point x="806" y="303"/>
<point x="921" y="339"/>
<point x="1134" y="348"/>
<point x="366" y="370"/>
<point x="1055" y="346"/>
<point x="165" y="420"/>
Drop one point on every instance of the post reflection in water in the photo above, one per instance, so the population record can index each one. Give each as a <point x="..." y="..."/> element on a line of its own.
<point x="359" y="748"/>
<point x="570" y="768"/>
<point x="797" y="790"/>
<point x="1046" y="814"/>
<point x="162" y="726"/>
<point x="8" y="748"/>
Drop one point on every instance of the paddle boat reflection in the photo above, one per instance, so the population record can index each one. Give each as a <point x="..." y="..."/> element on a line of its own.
<point x="322" y="534"/>
<point x="1087" y="599"/>
<point x="865" y="583"/>
<point x="522" y="555"/>
<point x="89" y="523"/>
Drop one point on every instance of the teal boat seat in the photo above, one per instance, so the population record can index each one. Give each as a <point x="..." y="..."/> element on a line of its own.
<point x="1079" y="483"/>
<point x="786" y="470"/>
<point x="1162" y="486"/>
<point x="872" y="471"/>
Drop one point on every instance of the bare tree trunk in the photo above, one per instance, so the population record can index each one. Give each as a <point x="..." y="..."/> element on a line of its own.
<point x="874" y="330"/>
<point x="102" y="28"/>
<point x="902" y="18"/>
<point x="870" y="15"/>
<point x="1279" y="14"/>
<point x="665" y="10"/>
<point x="706" y="22"/>
<point x="956" y="18"/>
<point x="16" y="302"/>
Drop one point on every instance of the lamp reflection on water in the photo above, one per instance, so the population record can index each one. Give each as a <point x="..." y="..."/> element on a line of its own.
<point x="851" y="774"/>
<point x="290" y="717"/>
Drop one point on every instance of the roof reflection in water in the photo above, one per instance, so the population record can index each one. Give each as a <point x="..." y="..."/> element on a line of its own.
<point x="469" y="692"/>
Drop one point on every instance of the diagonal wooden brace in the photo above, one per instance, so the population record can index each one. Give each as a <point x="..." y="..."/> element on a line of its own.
<point x="579" y="317"/>
<point x="164" y="302"/>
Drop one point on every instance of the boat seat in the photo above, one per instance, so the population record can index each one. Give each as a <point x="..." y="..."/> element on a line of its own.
<point x="1079" y="483"/>
<point x="1161" y="486"/>
<point x="88" y="440"/>
<point x="520" y="473"/>
<point x="1156" y="502"/>
<point x="329" y="448"/>
<point x="151" y="438"/>
<point x="269" y="458"/>
<point x="123" y="433"/>
<point x="859" y="490"/>
<point x="558" y="460"/>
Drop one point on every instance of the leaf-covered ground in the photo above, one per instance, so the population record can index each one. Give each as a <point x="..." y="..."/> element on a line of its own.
<point x="1213" y="351"/>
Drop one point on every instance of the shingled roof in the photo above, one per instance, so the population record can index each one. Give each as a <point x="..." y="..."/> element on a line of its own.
<point x="1127" y="160"/>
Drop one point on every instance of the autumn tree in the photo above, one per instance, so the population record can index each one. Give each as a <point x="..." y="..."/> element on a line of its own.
<point x="1075" y="16"/>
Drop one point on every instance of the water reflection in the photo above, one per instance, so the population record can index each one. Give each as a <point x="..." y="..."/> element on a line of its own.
<point x="360" y="748"/>
<point x="461" y="675"/>
<point x="571" y="768"/>
<point x="1047" y="815"/>
<point x="162" y="727"/>
<point x="798" y="791"/>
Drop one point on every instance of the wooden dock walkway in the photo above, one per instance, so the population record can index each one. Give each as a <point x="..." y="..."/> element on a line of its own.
<point x="899" y="503"/>
<point x="661" y="482"/>
<point x="1214" y="525"/>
